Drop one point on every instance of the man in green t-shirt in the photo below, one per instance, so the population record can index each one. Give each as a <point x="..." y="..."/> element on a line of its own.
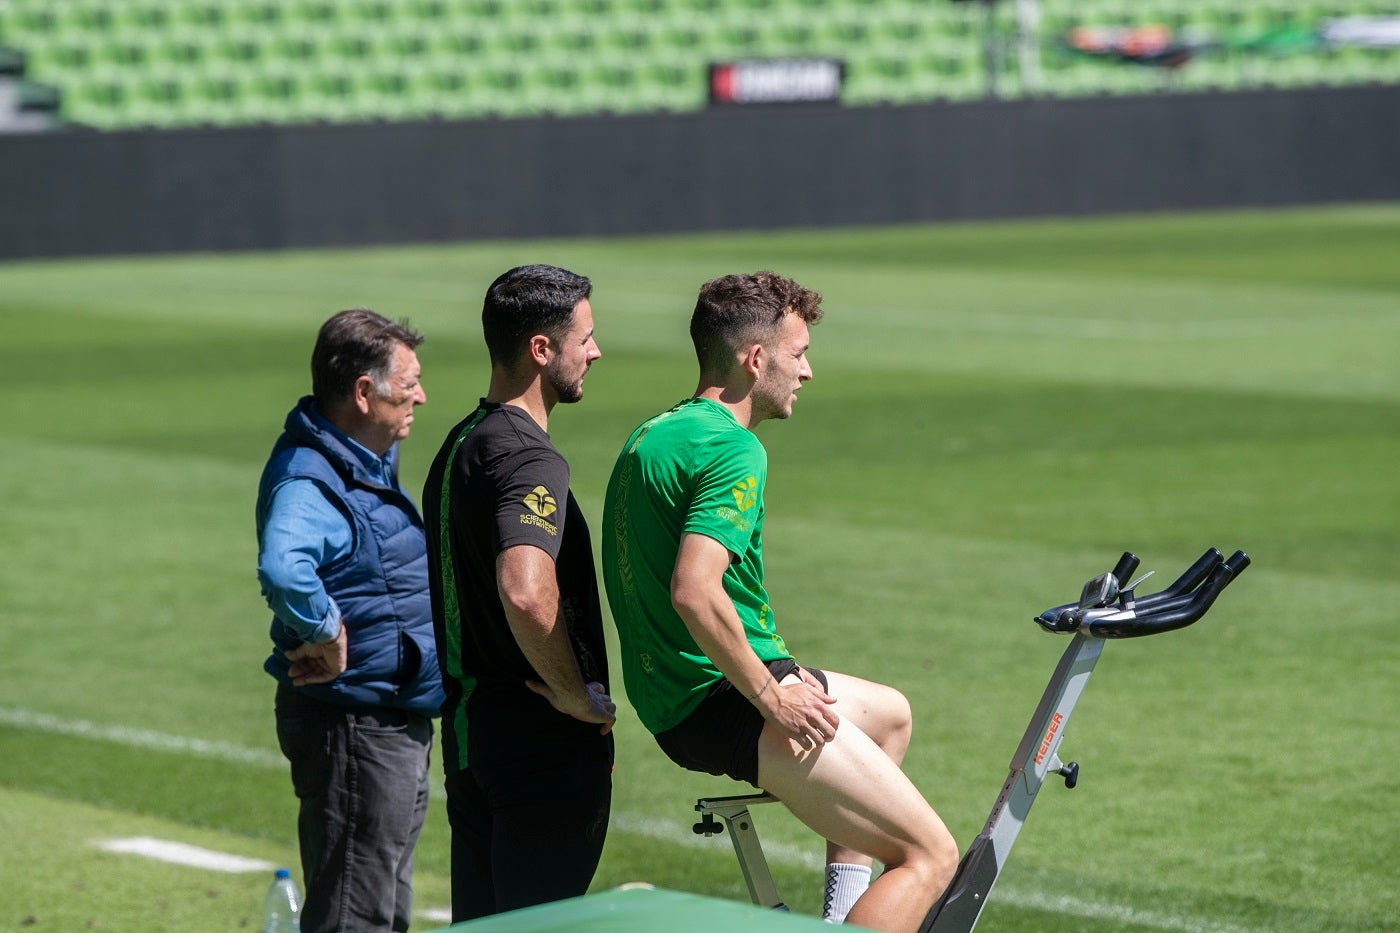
<point x="703" y="663"/>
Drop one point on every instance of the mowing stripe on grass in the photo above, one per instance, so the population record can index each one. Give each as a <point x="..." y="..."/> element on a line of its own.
<point x="139" y="738"/>
<point x="180" y="853"/>
<point x="629" y="823"/>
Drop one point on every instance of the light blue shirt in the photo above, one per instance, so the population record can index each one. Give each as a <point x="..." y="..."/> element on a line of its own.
<point x="304" y="532"/>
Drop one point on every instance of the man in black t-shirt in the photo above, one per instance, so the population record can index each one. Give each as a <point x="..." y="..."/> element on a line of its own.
<point x="527" y="721"/>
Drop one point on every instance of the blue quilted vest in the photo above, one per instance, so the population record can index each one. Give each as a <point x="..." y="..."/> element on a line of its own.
<point x="381" y="587"/>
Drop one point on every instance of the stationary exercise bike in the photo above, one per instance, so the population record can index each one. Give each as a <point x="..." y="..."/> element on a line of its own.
<point x="1107" y="608"/>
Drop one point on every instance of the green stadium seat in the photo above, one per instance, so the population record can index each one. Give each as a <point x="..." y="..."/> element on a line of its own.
<point x="57" y="55"/>
<point x="309" y="12"/>
<point x="610" y="87"/>
<point x="235" y="48"/>
<point x="841" y="34"/>
<point x="330" y="96"/>
<point x="577" y="41"/>
<point x="83" y="17"/>
<point x="153" y="101"/>
<point x="201" y="14"/>
<point x="296" y="46"/>
<point x="678" y="35"/>
<point x="594" y="10"/>
<point x="630" y="10"/>
<point x="142" y="17"/>
<point x="706" y="8"/>
<point x="94" y="102"/>
<point x="482" y="8"/>
<point x="347" y="46"/>
<point x="119" y="53"/>
<point x="24" y="21"/>
<point x="266" y="14"/>
<point x="400" y="44"/>
<point x="426" y="11"/>
<point x="629" y="40"/>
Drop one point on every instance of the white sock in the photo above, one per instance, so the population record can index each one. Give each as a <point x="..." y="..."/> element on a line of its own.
<point x="844" y="883"/>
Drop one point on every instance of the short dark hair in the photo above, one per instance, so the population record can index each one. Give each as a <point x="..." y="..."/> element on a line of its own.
<point x="526" y="301"/>
<point x="737" y="310"/>
<point x="356" y="343"/>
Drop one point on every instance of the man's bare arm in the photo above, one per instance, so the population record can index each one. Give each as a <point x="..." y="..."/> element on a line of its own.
<point x="529" y="590"/>
<point x="802" y="710"/>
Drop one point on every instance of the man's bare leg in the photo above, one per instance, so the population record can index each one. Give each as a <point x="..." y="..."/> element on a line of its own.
<point x="882" y="713"/>
<point x="852" y="793"/>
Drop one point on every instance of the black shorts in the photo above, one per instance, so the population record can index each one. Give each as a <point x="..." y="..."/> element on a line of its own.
<point x="720" y="736"/>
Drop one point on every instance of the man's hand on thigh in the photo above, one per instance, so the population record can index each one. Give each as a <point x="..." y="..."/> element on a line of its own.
<point x="801" y="710"/>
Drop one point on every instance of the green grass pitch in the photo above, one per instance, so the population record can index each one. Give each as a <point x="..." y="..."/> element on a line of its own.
<point x="998" y="411"/>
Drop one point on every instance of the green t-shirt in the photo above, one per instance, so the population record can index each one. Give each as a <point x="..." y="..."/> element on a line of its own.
<point x="693" y="468"/>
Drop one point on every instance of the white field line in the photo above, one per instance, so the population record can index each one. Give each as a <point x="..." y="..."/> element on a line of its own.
<point x="1075" y="907"/>
<point x="633" y="824"/>
<point x="179" y="853"/>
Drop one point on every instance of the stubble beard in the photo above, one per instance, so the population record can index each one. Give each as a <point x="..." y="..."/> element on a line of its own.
<point x="769" y="404"/>
<point x="567" y="392"/>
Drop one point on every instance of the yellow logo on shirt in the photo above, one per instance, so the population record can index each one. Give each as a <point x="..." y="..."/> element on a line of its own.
<point x="541" y="502"/>
<point x="746" y="493"/>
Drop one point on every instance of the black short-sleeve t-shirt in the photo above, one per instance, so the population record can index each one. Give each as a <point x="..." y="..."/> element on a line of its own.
<point x="496" y="483"/>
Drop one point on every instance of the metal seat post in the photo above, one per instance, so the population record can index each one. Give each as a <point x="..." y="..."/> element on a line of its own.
<point x="735" y="813"/>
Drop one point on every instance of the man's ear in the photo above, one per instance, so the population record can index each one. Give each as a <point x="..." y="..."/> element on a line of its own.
<point x="539" y="349"/>
<point x="753" y="359"/>
<point x="362" y="393"/>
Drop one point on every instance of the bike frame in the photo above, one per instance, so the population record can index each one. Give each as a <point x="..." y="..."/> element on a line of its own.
<point x="1107" y="608"/>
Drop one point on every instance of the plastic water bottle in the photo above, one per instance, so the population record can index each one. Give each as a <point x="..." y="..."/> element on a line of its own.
<point x="282" y="907"/>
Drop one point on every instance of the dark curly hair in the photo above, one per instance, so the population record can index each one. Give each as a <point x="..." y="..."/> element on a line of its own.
<point x="738" y="310"/>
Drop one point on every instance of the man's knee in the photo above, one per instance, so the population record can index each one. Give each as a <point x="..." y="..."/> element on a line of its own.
<point x="940" y="853"/>
<point x="891" y="720"/>
<point x="932" y="858"/>
<point x="900" y="712"/>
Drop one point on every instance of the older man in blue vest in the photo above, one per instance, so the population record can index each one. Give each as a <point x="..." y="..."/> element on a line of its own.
<point x="343" y="565"/>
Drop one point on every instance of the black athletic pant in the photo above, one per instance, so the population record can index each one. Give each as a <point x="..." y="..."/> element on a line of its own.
<point x="528" y="830"/>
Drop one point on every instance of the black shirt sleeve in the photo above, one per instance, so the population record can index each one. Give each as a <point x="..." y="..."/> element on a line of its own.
<point x="532" y="495"/>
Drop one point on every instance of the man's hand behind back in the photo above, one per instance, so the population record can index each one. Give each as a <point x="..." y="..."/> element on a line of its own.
<point x="319" y="663"/>
<point x="593" y="706"/>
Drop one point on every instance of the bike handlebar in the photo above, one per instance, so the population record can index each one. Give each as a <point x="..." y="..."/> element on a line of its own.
<point x="1122" y="575"/>
<point x="1183" y="602"/>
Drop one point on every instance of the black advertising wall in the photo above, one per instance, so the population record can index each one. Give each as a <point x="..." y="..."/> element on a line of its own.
<point x="79" y="192"/>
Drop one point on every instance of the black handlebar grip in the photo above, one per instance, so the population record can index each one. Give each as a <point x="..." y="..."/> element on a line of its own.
<point x="1237" y="562"/>
<point x="1196" y="572"/>
<point x="1123" y="570"/>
